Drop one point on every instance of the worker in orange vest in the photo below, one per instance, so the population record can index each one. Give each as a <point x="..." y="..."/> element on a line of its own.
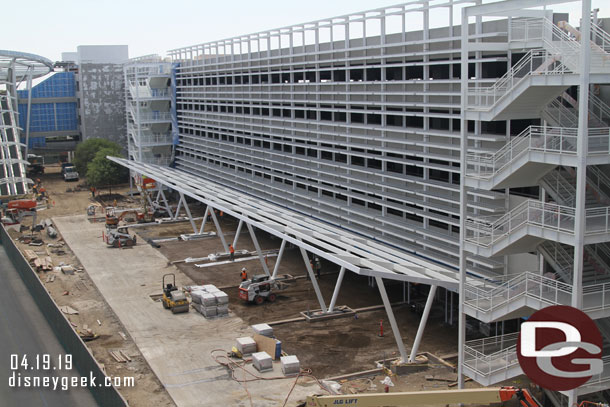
<point x="244" y="274"/>
<point x="232" y="252"/>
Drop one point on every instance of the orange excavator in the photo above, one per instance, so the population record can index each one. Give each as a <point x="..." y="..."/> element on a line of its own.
<point x="112" y="219"/>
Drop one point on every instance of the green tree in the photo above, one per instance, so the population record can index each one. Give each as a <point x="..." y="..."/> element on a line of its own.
<point x="86" y="151"/>
<point x="102" y="172"/>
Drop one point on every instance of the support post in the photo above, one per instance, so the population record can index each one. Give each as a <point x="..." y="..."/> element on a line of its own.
<point x="258" y="249"/>
<point x="239" y="225"/>
<point x="582" y="152"/>
<point x="422" y="323"/>
<point x="278" y="260"/>
<point x="188" y="212"/>
<point x="27" y="123"/>
<point x="162" y="195"/>
<point x="333" y="300"/>
<point x="219" y="230"/>
<point x="205" y="219"/>
<point x="314" y="282"/>
<point x="178" y="207"/>
<point x="393" y="324"/>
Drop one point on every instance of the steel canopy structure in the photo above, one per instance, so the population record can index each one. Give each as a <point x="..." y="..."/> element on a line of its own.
<point x="362" y="256"/>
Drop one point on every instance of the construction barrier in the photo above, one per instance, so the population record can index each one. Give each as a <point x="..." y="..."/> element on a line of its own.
<point x="82" y="358"/>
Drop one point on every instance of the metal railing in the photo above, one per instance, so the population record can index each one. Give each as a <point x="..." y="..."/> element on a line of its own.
<point x="564" y="116"/>
<point x="154" y="138"/>
<point x="560" y="259"/>
<point x="490" y="296"/>
<point x="503" y="356"/>
<point x="535" y="62"/>
<point x="486" y="231"/>
<point x="599" y="183"/>
<point x="557" y="140"/>
<point x="538" y="138"/>
<point x="559" y="188"/>
<point x="600" y="37"/>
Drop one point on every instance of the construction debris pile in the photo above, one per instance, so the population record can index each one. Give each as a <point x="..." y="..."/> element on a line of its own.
<point x="209" y="301"/>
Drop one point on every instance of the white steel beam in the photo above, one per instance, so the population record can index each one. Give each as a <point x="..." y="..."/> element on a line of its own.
<point x="279" y="258"/>
<point x="188" y="212"/>
<point x="178" y="207"/>
<point x="333" y="299"/>
<point x="258" y="249"/>
<point x="314" y="282"/>
<point x="422" y="323"/>
<point x="219" y="229"/>
<point x="393" y="324"/>
<point x="237" y="233"/>
<point x="205" y="219"/>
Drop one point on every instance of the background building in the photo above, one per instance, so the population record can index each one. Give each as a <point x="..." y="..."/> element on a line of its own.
<point x="150" y="112"/>
<point x="100" y="90"/>
<point x="54" y="114"/>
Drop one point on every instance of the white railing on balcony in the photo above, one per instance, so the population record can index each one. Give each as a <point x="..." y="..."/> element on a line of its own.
<point x="495" y="294"/>
<point x="153" y="116"/>
<point x="487" y="231"/>
<point x="156" y="160"/>
<point x="534" y="138"/>
<point x="535" y="62"/>
<point x="557" y="140"/>
<point x="491" y="355"/>
<point x="154" y="139"/>
<point x="489" y="296"/>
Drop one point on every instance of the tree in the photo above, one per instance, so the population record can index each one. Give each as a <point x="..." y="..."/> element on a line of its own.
<point x="102" y="172"/>
<point x="86" y="151"/>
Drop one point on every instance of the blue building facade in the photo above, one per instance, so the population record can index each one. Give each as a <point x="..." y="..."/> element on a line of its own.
<point x="54" y="111"/>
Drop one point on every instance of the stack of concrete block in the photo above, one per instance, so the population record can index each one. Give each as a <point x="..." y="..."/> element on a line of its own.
<point x="263" y="329"/>
<point x="222" y="301"/>
<point x="246" y="345"/>
<point x="290" y="365"/>
<point x="262" y="361"/>
<point x="209" y="301"/>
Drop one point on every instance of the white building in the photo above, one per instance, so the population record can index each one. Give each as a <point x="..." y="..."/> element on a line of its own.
<point x="364" y="142"/>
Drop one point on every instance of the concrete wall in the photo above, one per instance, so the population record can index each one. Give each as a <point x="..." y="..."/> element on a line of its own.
<point x="102" y="54"/>
<point x="102" y="106"/>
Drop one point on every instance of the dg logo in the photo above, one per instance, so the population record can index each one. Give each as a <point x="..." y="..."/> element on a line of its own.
<point x="560" y="348"/>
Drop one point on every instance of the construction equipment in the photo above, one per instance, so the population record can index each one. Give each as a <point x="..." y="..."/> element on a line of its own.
<point x="262" y="287"/>
<point x="432" y="397"/>
<point x="119" y="237"/>
<point x="35" y="165"/>
<point x="14" y="211"/>
<point x="173" y="298"/>
<point x="68" y="171"/>
<point x="114" y="216"/>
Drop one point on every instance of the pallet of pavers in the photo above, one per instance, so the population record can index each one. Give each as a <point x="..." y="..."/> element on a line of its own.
<point x="209" y="301"/>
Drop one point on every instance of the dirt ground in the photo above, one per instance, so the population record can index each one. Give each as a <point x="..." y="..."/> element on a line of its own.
<point x="77" y="291"/>
<point x="329" y="348"/>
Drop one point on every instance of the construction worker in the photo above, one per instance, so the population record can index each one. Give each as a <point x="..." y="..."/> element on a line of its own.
<point x="244" y="274"/>
<point x="232" y="252"/>
<point x="92" y="192"/>
<point x="318" y="266"/>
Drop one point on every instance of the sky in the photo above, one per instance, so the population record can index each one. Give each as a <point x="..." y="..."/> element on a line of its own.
<point x="48" y="28"/>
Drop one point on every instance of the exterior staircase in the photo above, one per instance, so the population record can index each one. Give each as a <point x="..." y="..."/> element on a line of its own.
<point x="13" y="179"/>
<point x="540" y="76"/>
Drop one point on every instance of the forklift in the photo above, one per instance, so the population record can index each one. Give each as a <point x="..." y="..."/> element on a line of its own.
<point x="173" y="298"/>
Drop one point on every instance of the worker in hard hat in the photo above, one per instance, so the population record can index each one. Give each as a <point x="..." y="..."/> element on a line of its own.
<point x="244" y="274"/>
<point x="232" y="252"/>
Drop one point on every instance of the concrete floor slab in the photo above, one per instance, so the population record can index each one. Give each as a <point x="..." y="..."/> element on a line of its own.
<point x="177" y="347"/>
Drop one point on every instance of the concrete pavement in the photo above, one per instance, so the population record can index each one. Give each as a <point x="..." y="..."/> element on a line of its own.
<point x="177" y="347"/>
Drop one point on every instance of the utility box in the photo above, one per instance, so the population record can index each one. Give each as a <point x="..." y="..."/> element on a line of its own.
<point x="290" y="365"/>
<point x="262" y="361"/>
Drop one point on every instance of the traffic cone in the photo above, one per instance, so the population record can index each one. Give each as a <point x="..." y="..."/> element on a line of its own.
<point x="381" y="328"/>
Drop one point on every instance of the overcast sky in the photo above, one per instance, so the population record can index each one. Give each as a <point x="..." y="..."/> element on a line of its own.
<point x="48" y="28"/>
